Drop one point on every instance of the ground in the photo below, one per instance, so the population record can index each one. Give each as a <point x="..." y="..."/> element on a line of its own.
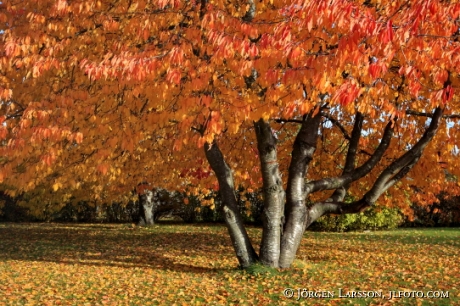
<point x="100" y="264"/>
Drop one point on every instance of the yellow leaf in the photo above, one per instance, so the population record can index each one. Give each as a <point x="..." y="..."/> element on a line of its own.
<point x="56" y="186"/>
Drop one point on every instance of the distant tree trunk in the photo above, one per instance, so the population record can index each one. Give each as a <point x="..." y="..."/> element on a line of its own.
<point x="146" y="208"/>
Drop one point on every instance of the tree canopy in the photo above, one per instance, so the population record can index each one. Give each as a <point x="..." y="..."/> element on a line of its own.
<point x="321" y="99"/>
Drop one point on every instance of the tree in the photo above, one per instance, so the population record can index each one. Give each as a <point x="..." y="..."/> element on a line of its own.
<point x="156" y="202"/>
<point x="321" y="99"/>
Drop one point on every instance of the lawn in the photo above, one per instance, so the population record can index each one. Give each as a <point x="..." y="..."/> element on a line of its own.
<point x="105" y="264"/>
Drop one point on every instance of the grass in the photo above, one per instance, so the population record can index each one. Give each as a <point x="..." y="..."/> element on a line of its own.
<point x="92" y="264"/>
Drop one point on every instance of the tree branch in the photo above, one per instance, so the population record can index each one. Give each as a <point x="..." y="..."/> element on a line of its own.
<point x="15" y="115"/>
<point x="273" y="192"/>
<point x="400" y="167"/>
<point x="249" y="16"/>
<point x="296" y="211"/>
<point x="322" y="208"/>
<point x="282" y="120"/>
<point x="421" y="114"/>
<point x="339" y="193"/>
<point x="337" y="124"/>
<point x="333" y="121"/>
<point x="233" y="220"/>
<point x="354" y="141"/>
<point x="364" y="169"/>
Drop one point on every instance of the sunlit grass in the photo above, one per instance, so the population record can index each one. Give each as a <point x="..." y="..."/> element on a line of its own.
<point x="100" y="264"/>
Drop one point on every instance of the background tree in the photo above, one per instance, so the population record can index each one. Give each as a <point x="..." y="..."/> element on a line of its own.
<point x="323" y="100"/>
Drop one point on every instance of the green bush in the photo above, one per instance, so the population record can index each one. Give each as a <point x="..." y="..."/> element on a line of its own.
<point x="372" y="219"/>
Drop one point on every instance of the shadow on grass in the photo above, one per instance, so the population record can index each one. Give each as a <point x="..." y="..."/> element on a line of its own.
<point x="195" y="248"/>
<point x="166" y="248"/>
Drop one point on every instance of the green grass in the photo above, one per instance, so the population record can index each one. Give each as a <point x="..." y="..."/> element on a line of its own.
<point x="94" y="264"/>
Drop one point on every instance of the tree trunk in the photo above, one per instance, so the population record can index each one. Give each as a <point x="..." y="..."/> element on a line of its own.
<point x="273" y="195"/>
<point x="233" y="220"/>
<point x="296" y="210"/>
<point x="146" y="208"/>
<point x="279" y="246"/>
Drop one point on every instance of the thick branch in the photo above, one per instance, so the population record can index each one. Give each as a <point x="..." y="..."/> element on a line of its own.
<point x="402" y="173"/>
<point x="322" y="208"/>
<point x="325" y="115"/>
<point x="339" y="194"/>
<point x="400" y="167"/>
<point x="337" y="124"/>
<point x="421" y="114"/>
<point x="296" y="211"/>
<point x="240" y="239"/>
<point x="273" y="194"/>
<point x="353" y="146"/>
<point x="364" y="169"/>
<point x="282" y="120"/>
<point x="250" y="14"/>
<point x="15" y="115"/>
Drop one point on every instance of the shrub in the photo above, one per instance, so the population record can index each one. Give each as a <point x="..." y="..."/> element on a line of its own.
<point x="372" y="219"/>
<point x="444" y="213"/>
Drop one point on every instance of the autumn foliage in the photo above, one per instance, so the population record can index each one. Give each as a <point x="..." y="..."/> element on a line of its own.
<point x="335" y="98"/>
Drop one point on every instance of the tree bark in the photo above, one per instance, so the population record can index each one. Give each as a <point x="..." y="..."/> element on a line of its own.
<point x="273" y="195"/>
<point x="296" y="210"/>
<point x="340" y="193"/>
<point x="389" y="176"/>
<point x="233" y="220"/>
<point x="331" y="183"/>
<point x="401" y="166"/>
<point x="146" y="208"/>
<point x="322" y="208"/>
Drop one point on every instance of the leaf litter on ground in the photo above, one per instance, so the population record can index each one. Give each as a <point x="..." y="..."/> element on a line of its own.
<point x="175" y="264"/>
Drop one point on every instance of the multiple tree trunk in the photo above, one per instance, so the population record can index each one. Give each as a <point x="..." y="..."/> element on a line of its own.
<point x="287" y="216"/>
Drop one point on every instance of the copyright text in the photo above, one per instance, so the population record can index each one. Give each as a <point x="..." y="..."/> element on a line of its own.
<point x="304" y="293"/>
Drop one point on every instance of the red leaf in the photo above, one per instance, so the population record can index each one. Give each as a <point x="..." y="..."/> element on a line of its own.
<point x="173" y="76"/>
<point x="447" y="94"/>
<point x="346" y="94"/>
<point x="374" y="70"/>
<point x="388" y="34"/>
<point x="295" y="53"/>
